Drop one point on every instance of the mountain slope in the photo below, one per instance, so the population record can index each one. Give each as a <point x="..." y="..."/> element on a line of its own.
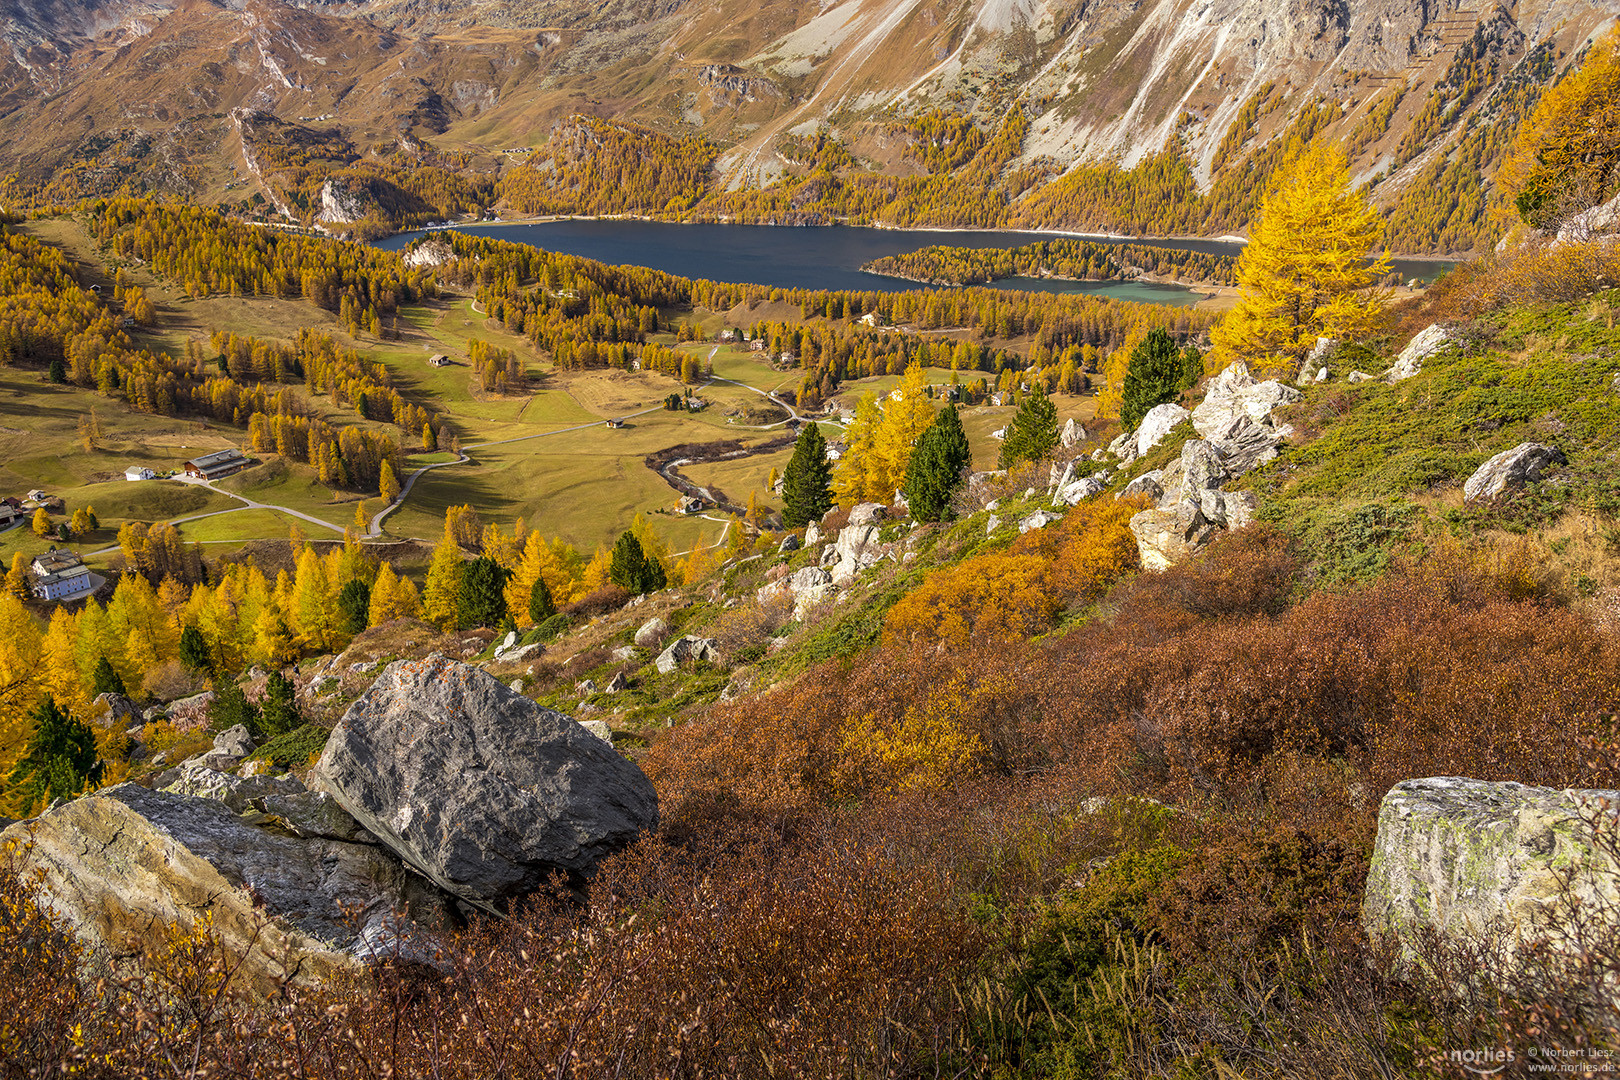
<point x="141" y="95"/>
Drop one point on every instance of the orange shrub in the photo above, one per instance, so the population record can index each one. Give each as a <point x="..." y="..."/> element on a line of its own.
<point x="1017" y="594"/>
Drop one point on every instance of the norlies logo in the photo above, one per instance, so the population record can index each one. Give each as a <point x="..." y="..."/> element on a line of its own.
<point x="1487" y="1062"/>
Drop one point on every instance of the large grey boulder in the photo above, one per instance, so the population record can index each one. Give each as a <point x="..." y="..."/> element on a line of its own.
<point x="857" y="549"/>
<point x="234" y="741"/>
<point x="1076" y="491"/>
<point x="1072" y="433"/>
<point x="1511" y="469"/>
<point x="484" y="791"/>
<point x="1149" y="484"/>
<point x="1492" y="864"/>
<point x="120" y="709"/>
<point x="687" y="648"/>
<point x="117" y="863"/>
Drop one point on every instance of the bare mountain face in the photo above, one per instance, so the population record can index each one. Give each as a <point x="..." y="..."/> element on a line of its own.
<point x="150" y="95"/>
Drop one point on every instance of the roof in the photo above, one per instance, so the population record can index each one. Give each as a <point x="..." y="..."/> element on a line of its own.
<point x="56" y="562"/>
<point x="218" y="457"/>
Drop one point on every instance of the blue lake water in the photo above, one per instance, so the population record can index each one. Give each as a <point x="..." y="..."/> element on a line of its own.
<point x="820" y="257"/>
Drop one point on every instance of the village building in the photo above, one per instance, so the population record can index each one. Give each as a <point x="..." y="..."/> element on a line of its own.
<point x="691" y="504"/>
<point x="218" y="464"/>
<point x="615" y="423"/>
<point x="59" y="574"/>
<point x="37" y="496"/>
<point x="439" y="360"/>
<point x="138" y="472"/>
<point x="9" y="516"/>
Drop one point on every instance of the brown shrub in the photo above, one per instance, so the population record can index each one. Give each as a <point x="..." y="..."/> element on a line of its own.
<point x="607" y="599"/>
<point x="171" y="681"/>
<point x="752" y="623"/>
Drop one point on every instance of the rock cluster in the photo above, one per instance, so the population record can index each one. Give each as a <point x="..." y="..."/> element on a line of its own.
<point x="1237" y="433"/>
<point x="440" y="786"/>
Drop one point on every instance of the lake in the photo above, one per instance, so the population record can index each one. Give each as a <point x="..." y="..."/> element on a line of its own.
<point x="821" y="257"/>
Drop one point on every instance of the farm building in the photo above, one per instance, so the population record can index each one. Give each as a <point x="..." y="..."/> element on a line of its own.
<point x="219" y="463"/>
<point x="58" y="574"/>
<point x="439" y="360"/>
<point x="138" y="472"/>
<point x="615" y="423"/>
<point x="36" y="496"/>
<point x="9" y="516"/>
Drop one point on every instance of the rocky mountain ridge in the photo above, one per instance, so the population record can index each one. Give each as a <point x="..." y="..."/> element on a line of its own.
<point x="140" y="93"/>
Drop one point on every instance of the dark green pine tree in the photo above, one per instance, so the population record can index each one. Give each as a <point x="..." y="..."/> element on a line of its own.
<point x="1154" y="377"/>
<point x="1033" y="431"/>
<point x="57" y="372"/>
<point x="631" y="569"/>
<point x="231" y="707"/>
<point x="104" y="680"/>
<point x="354" y="606"/>
<point x="807" y="480"/>
<point x="60" y="760"/>
<point x="936" y="465"/>
<point x="194" y="650"/>
<point x="541" y="605"/>
<point x="483" y="592"/>
<point x="280" y="712"/>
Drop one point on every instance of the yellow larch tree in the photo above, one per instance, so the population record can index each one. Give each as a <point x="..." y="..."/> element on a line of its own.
<point x="881" y="439"/>
<point x="1567" y="155"/>
<point x="1307" y="270"/>
<point x="441" y="598"/>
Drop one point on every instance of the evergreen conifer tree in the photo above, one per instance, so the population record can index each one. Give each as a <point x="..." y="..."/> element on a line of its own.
<point x="104" y="680"/>
<point x="280" y="713"/>
<point x="60" y="760"/>
<point x="1033" y="431"/>
<point x="807" y="481"/>
<point x="57" y="372"/>
<point x="231" y="707"/>
<point x="936" y="466"/>
<point x="194" y="650"/>
<point x="1153" y="378"/>
<point x="631" y="569"/>
<point x="483" y="593"/>
<point x="354" y="606"/>
<point x="541" y="606"/>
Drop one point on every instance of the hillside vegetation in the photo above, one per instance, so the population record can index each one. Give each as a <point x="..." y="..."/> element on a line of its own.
<point x="1068" y="768"/>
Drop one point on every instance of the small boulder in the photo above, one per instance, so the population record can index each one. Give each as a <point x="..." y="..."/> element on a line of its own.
<point x="1358" y="377"/>
<point x="1166" y="536"/>
<point x="482" y="790"/>
<point x="686" y="648"/>
<point x="1076" y="491"/>
<point x="868" y="514"/>
<point x="199" y="781"/>
<point x="311" y="814"/>
<point x="651" y="633"/>
<point x="1149" y="484"/>
<point x="1236" y="394"/>
<point x="120" y="709"/>
<point x="1072" y="433"/>
<point x="789" y="543"/>
<point x="1511" y="470"/>
<point x="617" y="684"/>
<point x="1040" y="519"/>
<point x="1428" y="342"/>
<point x="812" y="534"/>
<point x="235" y="740"/>
<point x="598" y="728"/>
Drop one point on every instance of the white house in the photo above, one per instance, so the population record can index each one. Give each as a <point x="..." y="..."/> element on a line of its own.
<point x="36" y="496"/>
<point x="58" y="574"/>
<point x="138" y="472"/>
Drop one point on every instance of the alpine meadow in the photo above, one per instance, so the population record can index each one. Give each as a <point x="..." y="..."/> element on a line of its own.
<point x="880" y="540"/>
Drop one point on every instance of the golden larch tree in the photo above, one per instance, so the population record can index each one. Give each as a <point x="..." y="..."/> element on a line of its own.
<point x="1306" y="271"/>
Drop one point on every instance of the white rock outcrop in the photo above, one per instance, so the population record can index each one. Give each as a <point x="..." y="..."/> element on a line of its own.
<point x="1511" y="470"/>
<point x="1429" y="341"/>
